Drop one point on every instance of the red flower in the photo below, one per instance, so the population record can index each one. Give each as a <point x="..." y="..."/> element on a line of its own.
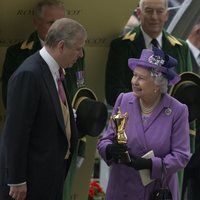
<point x="95" y="190"/>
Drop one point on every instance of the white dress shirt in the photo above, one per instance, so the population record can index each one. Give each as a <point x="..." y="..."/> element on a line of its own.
<point x="53" y="65"/>
<point x="148" y="39"/>
<point x="195" y="51"/>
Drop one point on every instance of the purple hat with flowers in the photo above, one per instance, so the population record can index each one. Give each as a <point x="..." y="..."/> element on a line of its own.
<point x="159" y="61"/>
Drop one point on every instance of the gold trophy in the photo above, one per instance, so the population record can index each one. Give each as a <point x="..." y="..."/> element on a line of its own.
<point x="119" y="121"/>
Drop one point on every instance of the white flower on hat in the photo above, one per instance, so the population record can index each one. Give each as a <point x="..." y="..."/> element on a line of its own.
<point x="156" y="60"/>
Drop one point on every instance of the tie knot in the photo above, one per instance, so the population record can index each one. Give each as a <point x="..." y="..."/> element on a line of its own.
<point x="155" y="43"/>
<point x="62" y="76"/>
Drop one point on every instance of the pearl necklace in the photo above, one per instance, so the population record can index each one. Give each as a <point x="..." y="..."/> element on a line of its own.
<point x="148" y="110"/>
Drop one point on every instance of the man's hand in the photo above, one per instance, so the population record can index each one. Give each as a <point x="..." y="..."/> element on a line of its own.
<point x="18" y="192"/>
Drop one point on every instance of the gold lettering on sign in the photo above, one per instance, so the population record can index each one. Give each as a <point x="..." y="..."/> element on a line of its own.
<point x="97" y="41"/>
<point x="73" y="12"/>
<point x="30" y="12"/>
<point x="25" y="12"/>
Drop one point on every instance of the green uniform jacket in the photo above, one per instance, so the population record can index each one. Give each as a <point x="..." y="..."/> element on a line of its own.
<point x="118" y="75"/>
<point x="17" y="53"/>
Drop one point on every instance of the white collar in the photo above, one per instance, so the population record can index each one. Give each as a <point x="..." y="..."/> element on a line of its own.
<point x="53" y="65"/>
<point x="148" y="39"/>
<point x="195" y="51"/>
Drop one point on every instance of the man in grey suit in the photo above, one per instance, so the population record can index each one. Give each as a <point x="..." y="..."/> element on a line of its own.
<point x="193" y="41"/>
<point x="40" y="134"/>
<point x="192" y="171"/>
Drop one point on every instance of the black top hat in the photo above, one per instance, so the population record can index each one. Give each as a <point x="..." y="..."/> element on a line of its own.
<point x="91" y="114"/>
<point x="187" y="91"/>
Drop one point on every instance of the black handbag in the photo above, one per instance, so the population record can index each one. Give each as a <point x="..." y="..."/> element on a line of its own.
<point x="163" y="193"/>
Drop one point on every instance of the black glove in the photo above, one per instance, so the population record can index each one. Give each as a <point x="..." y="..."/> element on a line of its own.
<point x="140" y="163"/>
<point x="115" y="151"/>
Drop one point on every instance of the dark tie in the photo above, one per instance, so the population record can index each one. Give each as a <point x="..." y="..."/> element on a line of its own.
<point x="61" y="90"/>
<point x="155" y="43"/>
<point x="65" y="110"/>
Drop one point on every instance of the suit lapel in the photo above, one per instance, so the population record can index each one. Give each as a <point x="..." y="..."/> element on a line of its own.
<point x="167" y="46"/>
<point x="164" y="104"/>
<point x="141" y="129"/>
<point x="138" y="44"/>
<point x="135" y="116"/>
<point x="194" y="64"/>
<point x="53" y="93"/>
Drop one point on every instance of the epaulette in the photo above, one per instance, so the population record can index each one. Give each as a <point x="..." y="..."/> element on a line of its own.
<point x="129" y="36"/>
<point x="26" y="45"/>
<point x="173" y="40"/>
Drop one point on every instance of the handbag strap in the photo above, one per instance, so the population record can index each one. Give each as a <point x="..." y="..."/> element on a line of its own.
<point x="163" y="175"/>
<point x="162" y="181"/>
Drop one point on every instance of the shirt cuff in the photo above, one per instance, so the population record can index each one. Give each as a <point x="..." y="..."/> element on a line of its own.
<point x="18" y="184"/>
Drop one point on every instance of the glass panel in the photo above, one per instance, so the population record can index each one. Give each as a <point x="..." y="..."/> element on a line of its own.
<point x="176" y="10"/>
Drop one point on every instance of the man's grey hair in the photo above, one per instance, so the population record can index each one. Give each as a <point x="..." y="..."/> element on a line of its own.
<point x="39" y="6"/>
<point x="141" y="2"/>
<point x="160" y="81"/>
<point x="64" y="29"/>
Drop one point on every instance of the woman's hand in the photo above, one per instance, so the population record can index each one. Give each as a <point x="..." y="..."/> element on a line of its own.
<point x="139" y="163"/>
<point x="115" y="151"/>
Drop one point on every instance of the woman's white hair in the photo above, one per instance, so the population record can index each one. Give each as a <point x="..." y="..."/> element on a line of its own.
<point x="160" y="81"/>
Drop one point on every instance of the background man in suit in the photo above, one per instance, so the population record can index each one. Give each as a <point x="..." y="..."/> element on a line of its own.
<point x="40" y="134"/>
<point x="192" y="171"/>
<point x="45" y="13"/>
<point x="152" y="15"/>
<point x="193" y="41"/>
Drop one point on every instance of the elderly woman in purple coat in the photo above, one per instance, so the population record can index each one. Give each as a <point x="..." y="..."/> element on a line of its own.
<point x="156" y="123"/>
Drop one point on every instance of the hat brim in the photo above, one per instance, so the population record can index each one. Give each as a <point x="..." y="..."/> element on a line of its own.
<point x="91" y="114"/>
<point x="81" y="94"/>
<point x="187" y="91"/>
<point x="190" y="76"/>
<point x="133" y="63"/>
